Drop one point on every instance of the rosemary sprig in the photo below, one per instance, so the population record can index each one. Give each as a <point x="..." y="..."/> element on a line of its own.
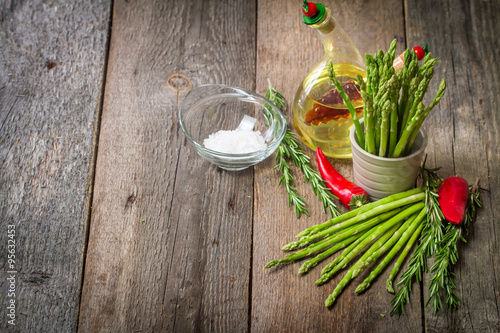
<point x="447" y="255"/>
<point x="317" y="183"/>
<point x="418" y="265"/>
<point x="286" y="178"/>
<point x="290" y="148"/>
<point x="431" y="182"/>
<point x="432" y="234"/>
<point x="475" y="202"/>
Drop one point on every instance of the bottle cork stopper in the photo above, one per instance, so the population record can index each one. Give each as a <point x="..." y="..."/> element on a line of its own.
<point x="328" y="25"/>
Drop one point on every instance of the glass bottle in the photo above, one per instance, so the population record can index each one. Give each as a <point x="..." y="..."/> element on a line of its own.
<point x="320" y="116"/>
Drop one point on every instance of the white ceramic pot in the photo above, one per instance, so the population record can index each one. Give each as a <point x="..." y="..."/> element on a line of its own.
<point x="381" y="176"/>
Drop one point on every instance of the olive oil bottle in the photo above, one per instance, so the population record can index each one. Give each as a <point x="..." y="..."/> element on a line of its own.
<point x="320" y="116"/>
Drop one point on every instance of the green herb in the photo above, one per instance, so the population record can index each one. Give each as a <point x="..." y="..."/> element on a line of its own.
<point x="290" y="148"/>
<point x="447" y="256"/>
<point x="432" y="234"/>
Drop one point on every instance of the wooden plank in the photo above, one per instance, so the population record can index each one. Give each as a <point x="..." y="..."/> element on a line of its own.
<point x="170" y="239"/>
<point x="464" y="139"/>
<point x="281" y="299"/>
<point x="51" y="75"/>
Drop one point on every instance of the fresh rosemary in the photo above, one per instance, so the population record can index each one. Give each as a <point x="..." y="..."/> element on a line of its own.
<point x="291" y="149"/>
<point x="437" y="241"/>
<point x="447" y="255"/>
<point x="432" y="235"/>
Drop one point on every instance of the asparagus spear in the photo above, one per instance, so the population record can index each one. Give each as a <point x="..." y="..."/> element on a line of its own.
<point x="375" y="77"/>
<point x="368" y="115"/>
<point x="409" y="103"/>
<point x="410" y="195"/>
<point x="350" y="274"/>
<point x="347" y="227"/>
<point x="376" y="233"/>
<point x="362" y="88"/>
<point x="393" y="132"/>
<point x="348" y="250"/>
<point x="405" y="84"/>
<point x="344" y="258"/>
<point x="439" y="95"/>
<point x="384" y="128"/>
<point x="380" y="58"/>
<point x="369" y="72"/>
<point x="427" y="58"/>
<point x="347" y="101"/>
<point x="402" y="257"/>
<point x="338" y="237"/>
<point x="323" y="255"/>
<point x="384" y="74"/>
<point x="400" y="147"/>
<point x="391" y="53"/>
<point x="353" y="225"/>
<point x="374" y="212"/>
<point x="427" y="64"/>
<point x="421" y="90"/>
<point x="387" y="245"/>
<point x="416" y="222"/>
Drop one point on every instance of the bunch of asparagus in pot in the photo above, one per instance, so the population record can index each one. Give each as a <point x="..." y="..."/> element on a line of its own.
<point x="393" y="109"/>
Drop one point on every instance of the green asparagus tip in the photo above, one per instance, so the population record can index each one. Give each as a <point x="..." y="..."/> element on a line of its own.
<point x="272" y="263"/>
<point x="288" y="247"/>
<point x="321" y="280"/>
<point x="357" y="271"/>
<point x="303" y="233"/>
<point x="362" y="287"/>
<point x="329" y="301"/>
<point x="389" y="287"/>
<point x="331" y="72"/>
<point x="304" y="268"/>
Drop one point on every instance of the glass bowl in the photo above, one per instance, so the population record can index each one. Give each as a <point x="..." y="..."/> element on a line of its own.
<point x="208" y="109"/>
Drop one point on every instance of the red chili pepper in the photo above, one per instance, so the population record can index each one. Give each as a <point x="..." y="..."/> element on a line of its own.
<point x="350" y="195"/>
<point x="309" y="9"/>
<point x="453" y="199"/>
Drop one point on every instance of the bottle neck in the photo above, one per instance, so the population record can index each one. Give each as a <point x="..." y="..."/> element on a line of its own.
<point x="338" y="46"/>
<point x="325" y="30"/>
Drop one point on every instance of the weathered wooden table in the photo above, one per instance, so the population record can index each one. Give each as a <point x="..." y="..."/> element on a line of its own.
<point x="120" y="227"/>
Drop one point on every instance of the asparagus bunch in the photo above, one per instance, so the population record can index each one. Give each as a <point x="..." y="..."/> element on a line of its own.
<point x="372" y="229"/>
<point x="393" y="107"/>
<point x="379" y="231"/>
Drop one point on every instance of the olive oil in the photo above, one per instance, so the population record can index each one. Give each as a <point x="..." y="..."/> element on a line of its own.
<point x="320" y="116"/>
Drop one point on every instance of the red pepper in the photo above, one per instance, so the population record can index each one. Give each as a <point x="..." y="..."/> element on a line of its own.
<point x="453" y="199"/>
<point x="350" y="195"/>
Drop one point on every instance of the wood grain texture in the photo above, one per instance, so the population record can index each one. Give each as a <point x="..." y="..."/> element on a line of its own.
<point x="170" y="239"/>
<point x="464" y="140"/>
<point x="281" y="299"/>
<point x="51" y="75"/>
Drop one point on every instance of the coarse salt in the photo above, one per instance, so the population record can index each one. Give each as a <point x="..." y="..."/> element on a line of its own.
<point x="239" y="141"/>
